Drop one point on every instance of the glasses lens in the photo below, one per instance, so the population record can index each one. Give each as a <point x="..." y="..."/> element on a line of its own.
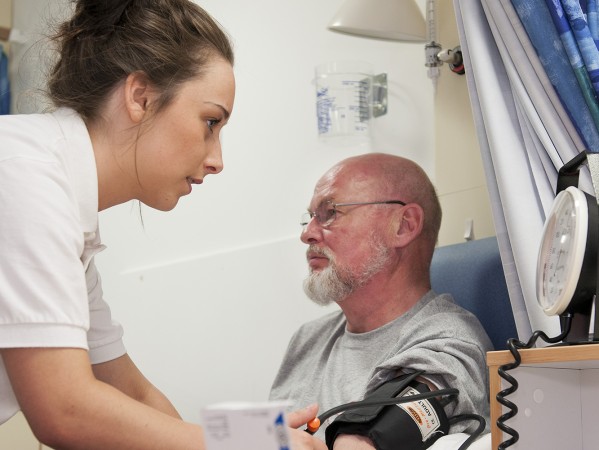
<point x="305" y="219"/>
<point x="325" y="213"/>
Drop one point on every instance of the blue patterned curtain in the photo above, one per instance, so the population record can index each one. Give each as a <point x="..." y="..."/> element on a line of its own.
<point x="4" y="84"/>
<point x="532" y="68"/>
<point x="568" y="42"/>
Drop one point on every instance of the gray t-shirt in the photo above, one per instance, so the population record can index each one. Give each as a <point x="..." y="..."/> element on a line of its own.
<point x="327" y="364"/>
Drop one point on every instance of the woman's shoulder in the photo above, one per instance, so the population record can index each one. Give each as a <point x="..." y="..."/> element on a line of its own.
<point x="37" y="136"/>
<point x="25" y="121"/>
<point x="26" y="134"/>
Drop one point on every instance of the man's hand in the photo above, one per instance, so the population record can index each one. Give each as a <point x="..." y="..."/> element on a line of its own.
<point x="353" y="442"/>
<point x="300" y="440"/>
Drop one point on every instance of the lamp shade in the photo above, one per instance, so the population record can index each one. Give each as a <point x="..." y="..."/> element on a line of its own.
<point x="395" y="20"/>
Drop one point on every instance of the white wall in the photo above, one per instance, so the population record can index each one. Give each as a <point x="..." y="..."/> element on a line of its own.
<point x="210" y="293"/>
<point x="460" y="179"/>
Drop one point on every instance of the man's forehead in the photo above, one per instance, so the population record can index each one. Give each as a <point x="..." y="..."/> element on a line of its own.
<point x="341" y="185"/>
<point x="330" y="183"/>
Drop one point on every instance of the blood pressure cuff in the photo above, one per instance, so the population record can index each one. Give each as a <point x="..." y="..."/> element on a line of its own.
<point x="409" y="426"/>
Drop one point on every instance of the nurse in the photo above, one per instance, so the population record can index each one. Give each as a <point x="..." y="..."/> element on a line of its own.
<point x="141" y="89"/>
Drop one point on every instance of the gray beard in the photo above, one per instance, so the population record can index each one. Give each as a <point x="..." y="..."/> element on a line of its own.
<point x="326" y="286"/>
<point x="334" y="284"/>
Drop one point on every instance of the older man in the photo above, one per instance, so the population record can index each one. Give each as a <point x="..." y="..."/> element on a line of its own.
<point x="371" y="229"/>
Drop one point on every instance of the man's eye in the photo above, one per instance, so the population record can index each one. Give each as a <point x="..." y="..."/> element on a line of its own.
<point x="325" y="213"/>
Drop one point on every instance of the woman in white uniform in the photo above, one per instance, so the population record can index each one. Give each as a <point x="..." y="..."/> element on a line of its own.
<point x="142" y="89"/>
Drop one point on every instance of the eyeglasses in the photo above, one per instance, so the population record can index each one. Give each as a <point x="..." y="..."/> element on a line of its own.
<point x="326" y="212"/>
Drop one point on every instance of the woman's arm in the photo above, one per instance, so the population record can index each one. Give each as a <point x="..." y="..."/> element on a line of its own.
<point x="67" y="407"/>
<point x="300" y="438"/>
<point x="124" y="375"/>
<point x="70" y="406"/>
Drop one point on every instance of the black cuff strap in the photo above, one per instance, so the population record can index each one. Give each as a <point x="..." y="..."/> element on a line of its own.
<point x="414" y="425"/>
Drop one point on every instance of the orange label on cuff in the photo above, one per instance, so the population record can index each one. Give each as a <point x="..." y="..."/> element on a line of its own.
<point x="422" y="413"/>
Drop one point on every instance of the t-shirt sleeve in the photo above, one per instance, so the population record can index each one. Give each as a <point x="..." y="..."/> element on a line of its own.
<point x="104" y="335"/>
<point x="452" y="355"/>
<point x="49" y="296"/>
<point x="42" y="282"/>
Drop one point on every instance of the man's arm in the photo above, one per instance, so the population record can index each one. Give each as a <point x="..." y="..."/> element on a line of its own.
<point x="353" y="442"/>
<point x="359" y="442"/>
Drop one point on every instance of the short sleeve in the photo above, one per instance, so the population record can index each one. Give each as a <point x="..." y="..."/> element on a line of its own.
<point x="43" y="294"/>
<point x="104" y="335"/>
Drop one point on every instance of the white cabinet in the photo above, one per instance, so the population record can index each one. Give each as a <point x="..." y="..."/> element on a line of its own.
<point x="557" y="397"/>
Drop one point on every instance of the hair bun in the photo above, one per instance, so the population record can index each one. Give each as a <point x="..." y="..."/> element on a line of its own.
<point x="104" y="41"/>
<point x="98" y="14"/>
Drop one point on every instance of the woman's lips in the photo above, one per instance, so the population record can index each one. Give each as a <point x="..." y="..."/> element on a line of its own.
<point x="191" y="181"/>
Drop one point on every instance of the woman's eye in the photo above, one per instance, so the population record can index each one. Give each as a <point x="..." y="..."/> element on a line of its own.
<point x="211" y="123"/>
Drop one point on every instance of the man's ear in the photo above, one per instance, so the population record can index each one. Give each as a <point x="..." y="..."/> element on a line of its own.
<point x="138" y="95"/>
<point x="410" y="224"/>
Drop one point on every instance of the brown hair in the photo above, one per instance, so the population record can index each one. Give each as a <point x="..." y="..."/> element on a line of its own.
<point x="170" y="41"/>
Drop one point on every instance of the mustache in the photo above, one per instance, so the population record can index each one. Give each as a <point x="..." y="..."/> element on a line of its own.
<point x="314" y="250"/>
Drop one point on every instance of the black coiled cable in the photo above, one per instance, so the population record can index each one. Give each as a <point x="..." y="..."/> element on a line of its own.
<point x="482" y="423"/>
<point x="513" y="346"/>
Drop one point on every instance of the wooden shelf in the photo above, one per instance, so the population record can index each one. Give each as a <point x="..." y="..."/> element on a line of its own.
<point x="560" y="355"/>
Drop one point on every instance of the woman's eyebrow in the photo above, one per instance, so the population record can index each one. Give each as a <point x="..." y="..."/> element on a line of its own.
<point x="225" y="112"/>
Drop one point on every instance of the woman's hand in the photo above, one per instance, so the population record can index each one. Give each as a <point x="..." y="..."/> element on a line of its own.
<point x="300" y="440"/>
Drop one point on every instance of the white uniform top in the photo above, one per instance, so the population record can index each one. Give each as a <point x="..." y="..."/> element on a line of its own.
<point x="50" y="290"/>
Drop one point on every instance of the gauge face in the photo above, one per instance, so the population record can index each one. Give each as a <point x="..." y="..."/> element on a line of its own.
<point x="562" y="251"/>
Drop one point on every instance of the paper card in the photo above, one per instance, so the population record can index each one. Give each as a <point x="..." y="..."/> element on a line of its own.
<point x="260" y="426"/>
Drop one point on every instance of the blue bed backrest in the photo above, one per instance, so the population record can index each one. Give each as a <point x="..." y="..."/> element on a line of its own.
<point x="472" y="273"/>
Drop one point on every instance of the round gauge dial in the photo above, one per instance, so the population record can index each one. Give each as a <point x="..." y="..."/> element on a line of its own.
<point x="562" y="251"/>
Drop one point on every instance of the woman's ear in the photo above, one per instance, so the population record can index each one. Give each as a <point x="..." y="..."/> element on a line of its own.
<point x="137" y="95"/>
<point x="410" y="224"/>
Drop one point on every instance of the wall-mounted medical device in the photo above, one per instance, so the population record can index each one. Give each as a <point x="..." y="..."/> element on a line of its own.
<point x="567" y="272"/>
<point x="348" y="96"/>
<point x="567" y="261"/>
